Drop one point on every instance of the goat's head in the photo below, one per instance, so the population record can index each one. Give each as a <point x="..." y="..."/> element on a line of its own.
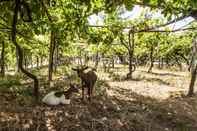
<point x="74" y="88"/>
<point x="80" y="70"/>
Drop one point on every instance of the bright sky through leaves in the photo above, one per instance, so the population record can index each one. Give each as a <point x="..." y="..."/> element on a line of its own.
<point x="135" y="13"/>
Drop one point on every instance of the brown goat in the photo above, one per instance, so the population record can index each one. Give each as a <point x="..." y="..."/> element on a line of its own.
<point x="88" y="80"/>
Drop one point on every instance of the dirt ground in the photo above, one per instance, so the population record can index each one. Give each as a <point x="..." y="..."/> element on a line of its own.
<point x="148" y="102"/>
<point x="159" y="85"/>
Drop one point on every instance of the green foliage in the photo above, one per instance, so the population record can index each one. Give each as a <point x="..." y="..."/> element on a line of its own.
<point x="69" y="20"/>
<point x="128" y="4"/>
<point x="26" y="92"/>
<point x="176" y="45"/>
<point x="9" y="83"/>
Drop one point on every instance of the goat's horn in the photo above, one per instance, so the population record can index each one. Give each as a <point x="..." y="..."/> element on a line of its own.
<point x="85" y="67"/>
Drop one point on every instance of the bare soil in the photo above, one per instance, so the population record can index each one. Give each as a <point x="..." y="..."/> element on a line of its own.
<point x="149" y="102"/>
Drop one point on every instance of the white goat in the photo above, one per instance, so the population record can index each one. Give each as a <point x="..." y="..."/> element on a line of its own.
<point x="62" y="97"/>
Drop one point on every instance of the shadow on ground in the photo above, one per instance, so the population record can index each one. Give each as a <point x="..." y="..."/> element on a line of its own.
<point x="162" y="74"/>
<point x="142" y="78"/>
<point x="113" y="109"/>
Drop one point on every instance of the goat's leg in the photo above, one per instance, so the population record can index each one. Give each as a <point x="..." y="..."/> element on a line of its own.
<point x="82" y="92"/>
<point x="91" y="89"/>
<point x="89" y="93"/>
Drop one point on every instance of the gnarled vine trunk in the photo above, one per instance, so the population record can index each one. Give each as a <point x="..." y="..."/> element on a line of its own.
<point x="151" y="59"/>
<point x="2" y="60"/>
<point x="96" y="60"/>
<point x="51" y="54"/>
<point x="56" y="58"/>
<point x="20" y="51"/>
<point x="192" y="82"/>
<point x="130" y="52"/>
<point x="193" y="68"/>
<point x="17" y="61"/>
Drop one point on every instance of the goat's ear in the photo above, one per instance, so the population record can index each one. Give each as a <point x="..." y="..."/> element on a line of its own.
<point x="74" y="69"/>
<point x="94" y="69"/>
<point x="73" y="85"/>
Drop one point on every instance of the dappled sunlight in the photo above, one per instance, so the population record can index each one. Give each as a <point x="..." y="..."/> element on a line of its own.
<point x="98" y="65"/>
<point x="146" y="89"/>
<point x="159" y="85"/>
<point x="120" y="108"/>
<point x="148" y="100"/>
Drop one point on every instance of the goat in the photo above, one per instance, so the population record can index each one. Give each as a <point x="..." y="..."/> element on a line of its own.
<point x="88" y="80"/>
<point x="60" y="97"/>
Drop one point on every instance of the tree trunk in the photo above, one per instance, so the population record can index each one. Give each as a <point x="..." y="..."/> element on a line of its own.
<point x="121" y="58"/>
<point x="192" y="82"/>
<point x="20" y="51"/>
<point x="193" y="68"/>
<point x="37" y="62"/>
<point x="17" y="62"/>
<point x="159" y="64"/>
<point x="129" y="75"/>
<point x="167" y="61"/>
<point x="130" y="52"/>
<point x="184" y="58"/>
<point x="96" y="60"/>
<point x="56" y="58"/>
<point x="51" y="54"/>
<point x="193" y="55"/>
<point x="2" y="60"/>
<point x="25" y="60"/>
<point x="112" y="60"/>
<point x="162" y="63"/>
<point x="31" y="61"/>
<point x="80" y="60"/>
<point x="41" y="61"/>
<point x="178" y="63"/>
<point x="151" y="59"/>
